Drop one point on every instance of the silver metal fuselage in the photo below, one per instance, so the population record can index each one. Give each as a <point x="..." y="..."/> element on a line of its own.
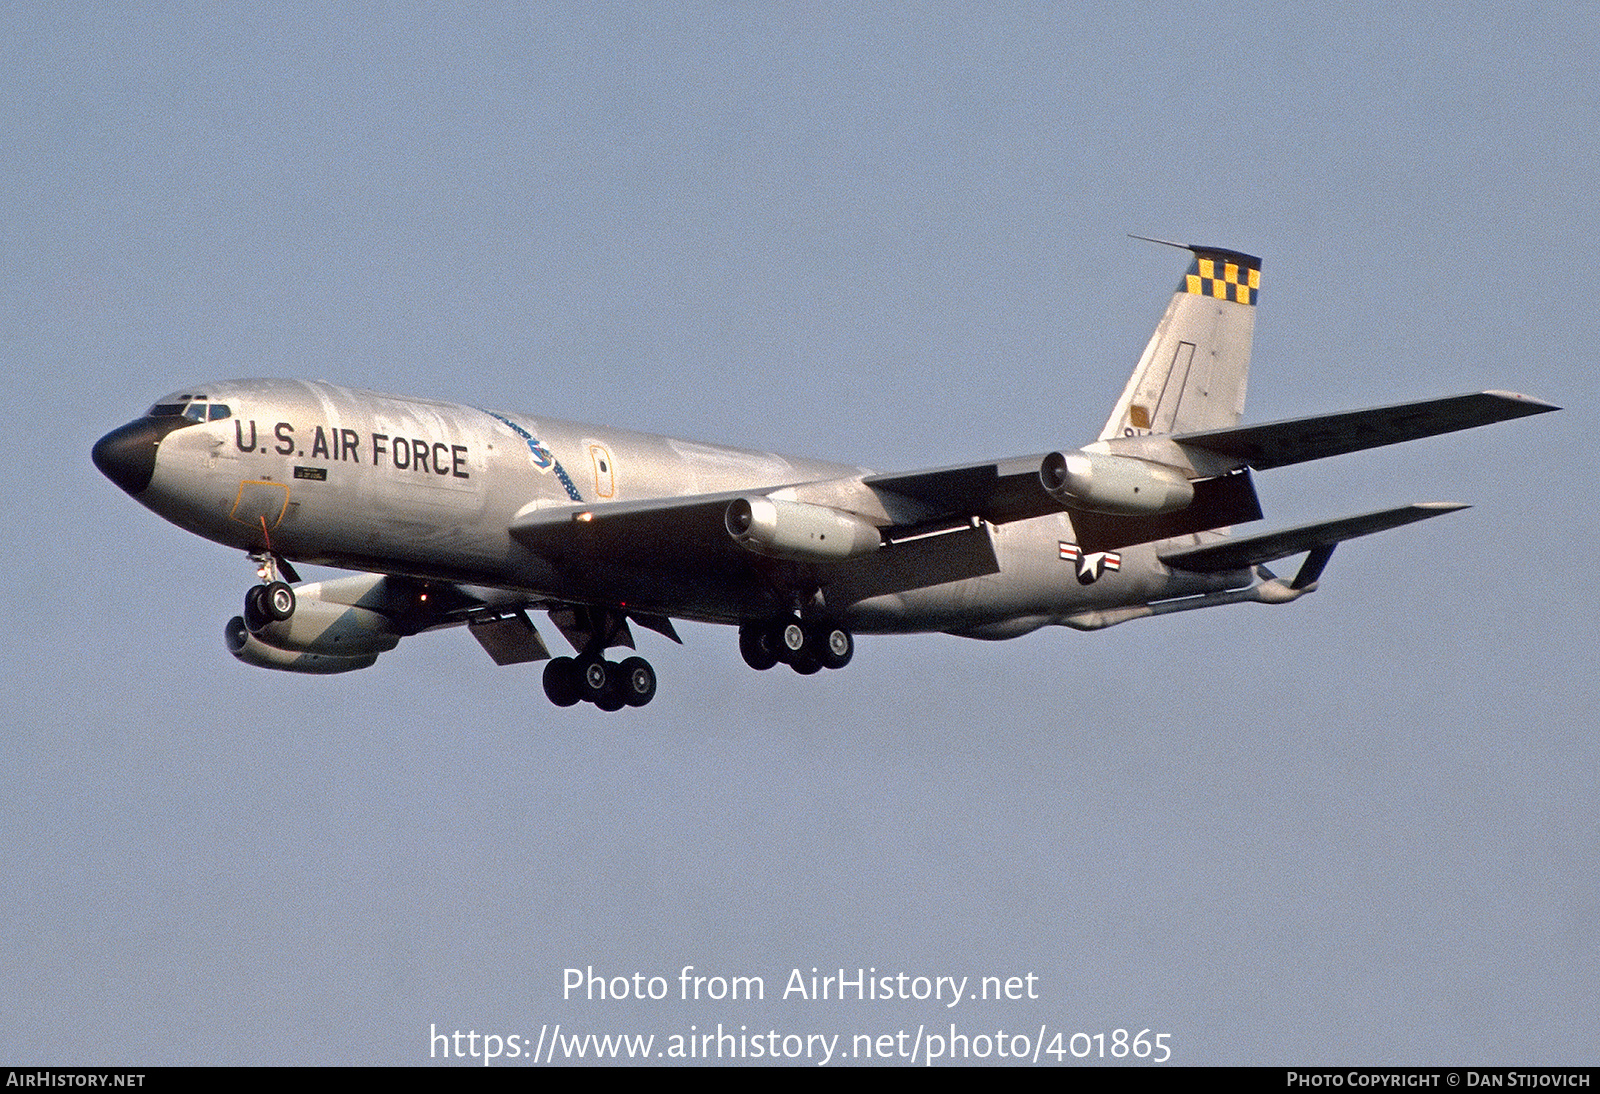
<point x="396" y="485"/>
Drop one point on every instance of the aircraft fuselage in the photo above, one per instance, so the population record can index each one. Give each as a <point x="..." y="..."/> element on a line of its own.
<point x="389" y="484"/>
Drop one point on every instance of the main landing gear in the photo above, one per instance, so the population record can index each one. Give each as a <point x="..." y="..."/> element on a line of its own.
<point x="804" y="647"/>
<point x="609" y="685"/>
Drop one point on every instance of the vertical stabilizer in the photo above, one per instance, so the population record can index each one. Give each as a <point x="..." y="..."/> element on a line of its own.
<point x="1193" y="373"/>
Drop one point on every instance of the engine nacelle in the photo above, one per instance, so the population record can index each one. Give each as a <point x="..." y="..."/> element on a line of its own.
<point x="252" y="651"/>
<point x="1118" y="485"/>
<point x="799" y="531"/>
<point x="320" y="637"/>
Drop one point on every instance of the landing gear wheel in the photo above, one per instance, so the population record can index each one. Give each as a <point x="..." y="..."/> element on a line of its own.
<point x="756" y="647"/>
<point x="611" y="697"/>
<point x="637" y="681"/>
<point x="833" y="646"/>
<point x="593" y="675"/>
<point x="278" y="601"/>
<point x="791" y="641"/>
<point x="255" y="609"/>
<point x="805" y="664"/>
<point x="561" y="683"/>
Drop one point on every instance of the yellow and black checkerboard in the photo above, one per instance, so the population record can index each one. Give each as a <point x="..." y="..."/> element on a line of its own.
<point x="1223" y="279"/>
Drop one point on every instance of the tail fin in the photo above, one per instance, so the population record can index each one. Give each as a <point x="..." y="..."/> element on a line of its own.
<point x="1193" y="373"/>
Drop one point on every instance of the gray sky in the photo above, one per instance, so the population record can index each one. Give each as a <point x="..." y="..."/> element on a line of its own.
<point x="1361" y="828"/>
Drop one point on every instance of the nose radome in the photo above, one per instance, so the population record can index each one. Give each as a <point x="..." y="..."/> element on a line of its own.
<point x="127" y="455"/>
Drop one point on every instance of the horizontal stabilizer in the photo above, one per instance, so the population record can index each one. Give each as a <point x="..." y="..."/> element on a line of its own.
<point x="1278" y="444"/>
<point x="1241" y="554"/>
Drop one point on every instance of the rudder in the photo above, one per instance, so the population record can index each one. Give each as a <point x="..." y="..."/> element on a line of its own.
<point x="1193" y="372"/>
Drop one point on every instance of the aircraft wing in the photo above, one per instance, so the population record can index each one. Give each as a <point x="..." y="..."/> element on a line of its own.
<point x="1010" y="490"/>
<point x="690" y="534"/>
<point x="1278" y="444"/>
<point x="686" y="531"/>
<point x="679" y="550"/>
<point x="997" y="492"/>
<point x="691" y="530"/>
<point x="1247" y="551"/>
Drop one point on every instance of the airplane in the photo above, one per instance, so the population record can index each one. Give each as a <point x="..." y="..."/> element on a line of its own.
<point x="454" y="515"/>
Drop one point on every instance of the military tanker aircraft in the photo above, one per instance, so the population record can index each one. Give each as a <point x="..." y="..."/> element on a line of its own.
<point x="455" y="515"/>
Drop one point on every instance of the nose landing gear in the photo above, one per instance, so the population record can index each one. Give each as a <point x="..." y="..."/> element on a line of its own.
<point x="265" y="604"/>
<point x="273" y="601"/>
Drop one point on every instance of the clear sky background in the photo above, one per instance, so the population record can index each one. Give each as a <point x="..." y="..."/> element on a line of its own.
<point x="1360" y="828"/>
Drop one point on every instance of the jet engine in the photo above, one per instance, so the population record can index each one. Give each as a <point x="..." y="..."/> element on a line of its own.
<point x="1118" y="485"/>
<point x="320" y="637"/>
<point x="799" y="531"/>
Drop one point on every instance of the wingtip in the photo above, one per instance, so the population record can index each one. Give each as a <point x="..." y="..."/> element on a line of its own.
<point x="1531" y="405"/>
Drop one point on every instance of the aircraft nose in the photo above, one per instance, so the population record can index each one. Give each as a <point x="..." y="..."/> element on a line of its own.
<point x="127" y="455"/>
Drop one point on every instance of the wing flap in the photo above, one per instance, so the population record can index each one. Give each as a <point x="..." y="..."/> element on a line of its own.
<point x="920" y="562"/>
<point x="1248" y="551"/>
<point x="509" y="638"/>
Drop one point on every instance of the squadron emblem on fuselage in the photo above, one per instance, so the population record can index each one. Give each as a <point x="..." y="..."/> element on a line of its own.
<point x="543" y="458"/>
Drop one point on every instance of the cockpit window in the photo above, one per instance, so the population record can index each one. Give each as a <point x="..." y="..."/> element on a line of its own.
<point x="193" y="407"/>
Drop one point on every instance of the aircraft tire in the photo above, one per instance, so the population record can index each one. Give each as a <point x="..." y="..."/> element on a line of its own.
<point x="278" y="601"/>
<point x="611" y="697"/>
<point x="255" y="609"/>
<point x="561" y="682"/>
<point x="832" y="646"/>
<point x="756" y="647"/>
<point x="637" y="681"/>
<point x="805" y="663"/>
